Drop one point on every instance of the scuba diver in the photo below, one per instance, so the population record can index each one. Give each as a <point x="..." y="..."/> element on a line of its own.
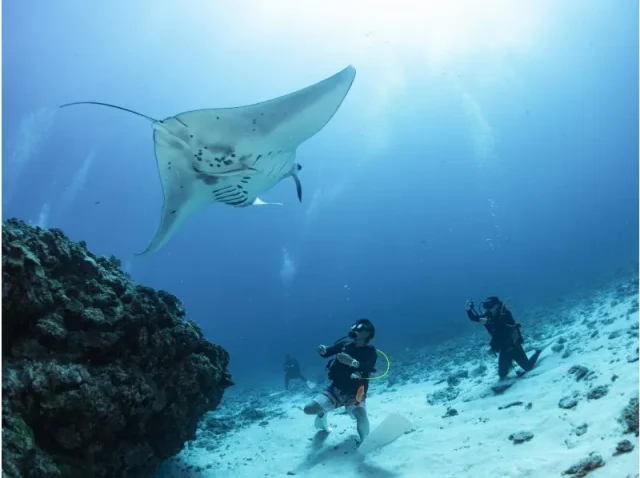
<point x="354" y="362"/>
<point x="506" y="339"/>
<point x="292" y="371"/>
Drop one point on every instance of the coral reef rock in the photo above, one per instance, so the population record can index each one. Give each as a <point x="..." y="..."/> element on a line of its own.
<point x="629" y="416"/>
<point x="567" y="402"/>
<point x="101" y="377"/>
<point x="584" y="466"/>
<point x="520" y="437"/>
<point x="624" y="446"/>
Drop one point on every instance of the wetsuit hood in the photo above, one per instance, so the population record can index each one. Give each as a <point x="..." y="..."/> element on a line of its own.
<point x="490" y="302"/>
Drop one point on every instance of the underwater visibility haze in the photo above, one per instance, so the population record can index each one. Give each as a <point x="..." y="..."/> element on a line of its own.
<point x="483" y="148"/>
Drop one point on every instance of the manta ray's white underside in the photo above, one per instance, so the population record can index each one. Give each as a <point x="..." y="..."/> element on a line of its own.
<point x="232" y="155"/>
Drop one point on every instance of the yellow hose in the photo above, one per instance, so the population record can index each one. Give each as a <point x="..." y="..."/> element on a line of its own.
<point x="388" y="366"/>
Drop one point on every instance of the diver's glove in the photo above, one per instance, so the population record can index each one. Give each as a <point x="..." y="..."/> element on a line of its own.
<point x="470" y="304"/>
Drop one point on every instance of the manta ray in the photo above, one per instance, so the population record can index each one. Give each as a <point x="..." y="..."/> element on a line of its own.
<point x="233" y="155"/>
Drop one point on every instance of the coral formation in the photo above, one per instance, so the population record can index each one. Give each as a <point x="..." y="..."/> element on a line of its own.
<point x="629" y="416"/>
<point x="101" y="377"/>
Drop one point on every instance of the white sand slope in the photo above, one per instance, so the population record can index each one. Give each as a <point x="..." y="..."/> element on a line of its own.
<point x="601" y="337"/>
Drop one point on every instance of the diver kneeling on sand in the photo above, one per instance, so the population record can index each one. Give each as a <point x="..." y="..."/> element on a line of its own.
<point x="355" y="361"/>
<point x="506" y="339"/>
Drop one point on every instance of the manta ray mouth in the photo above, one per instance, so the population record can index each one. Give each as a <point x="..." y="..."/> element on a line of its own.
<point x="232" y="172"/>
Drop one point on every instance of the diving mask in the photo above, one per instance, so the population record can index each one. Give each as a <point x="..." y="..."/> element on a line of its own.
<point x="353" y="333"/>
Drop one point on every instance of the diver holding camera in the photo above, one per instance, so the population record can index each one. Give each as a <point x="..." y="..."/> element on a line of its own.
<point x="506" y="338"/>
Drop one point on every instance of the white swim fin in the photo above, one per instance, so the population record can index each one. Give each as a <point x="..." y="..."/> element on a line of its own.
<point x="391" y="428"/>
<point x="322" y="422"/>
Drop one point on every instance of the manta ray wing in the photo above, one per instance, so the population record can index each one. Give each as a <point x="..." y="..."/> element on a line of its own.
<point x="232" y="155"/>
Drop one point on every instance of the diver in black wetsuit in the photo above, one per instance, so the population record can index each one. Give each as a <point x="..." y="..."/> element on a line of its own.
<point x="349" y="372"/>
<point x="506" y="339"/>
<point x="291" y="370"/>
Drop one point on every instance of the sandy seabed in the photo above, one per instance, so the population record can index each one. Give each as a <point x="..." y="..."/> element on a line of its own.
<point x="564" y="418"/>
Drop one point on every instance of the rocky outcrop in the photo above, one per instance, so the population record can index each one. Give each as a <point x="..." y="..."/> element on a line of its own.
<point x="629" y="416"/>
<point x="101" y="377"/>
<point x="567" y="402"/>
<point x="624" y="446"/>
<point x="443" y="395"/>
<point x="520" y="437"/>
<point x="584" y="466"/>
<point x="598" y="392"/>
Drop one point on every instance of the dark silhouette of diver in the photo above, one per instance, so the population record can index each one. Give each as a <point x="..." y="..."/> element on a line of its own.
<point x="292" y="371"/>
<point x="506" y="338"/>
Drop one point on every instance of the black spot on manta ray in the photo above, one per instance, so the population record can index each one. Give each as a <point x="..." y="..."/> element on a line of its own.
<point x="173" y="212"/>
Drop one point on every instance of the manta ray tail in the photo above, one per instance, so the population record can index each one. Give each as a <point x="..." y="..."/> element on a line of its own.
<point x="110" y="106"/>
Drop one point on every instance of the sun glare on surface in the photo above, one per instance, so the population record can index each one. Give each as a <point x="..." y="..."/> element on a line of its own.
<point x="438" y="30"/>
<point x="395" y="44"/>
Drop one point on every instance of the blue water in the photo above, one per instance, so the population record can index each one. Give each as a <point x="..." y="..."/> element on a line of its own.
<point x="492" y="153"/>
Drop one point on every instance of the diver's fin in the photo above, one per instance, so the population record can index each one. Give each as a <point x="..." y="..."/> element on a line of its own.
<point x="391" y="428"/>
<point x="322" y="422"/>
